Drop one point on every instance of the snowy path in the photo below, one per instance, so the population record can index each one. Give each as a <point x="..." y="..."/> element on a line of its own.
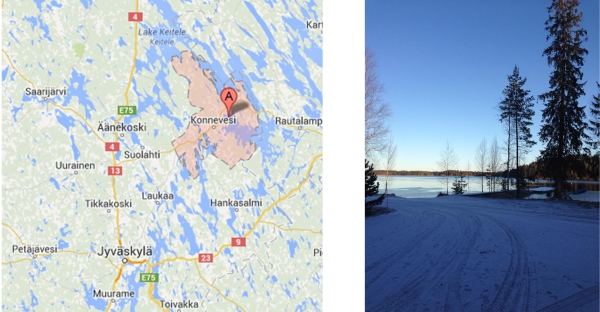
<point x="457" y="253"/>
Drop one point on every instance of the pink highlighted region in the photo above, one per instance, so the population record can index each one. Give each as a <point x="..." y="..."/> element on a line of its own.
<point x="231" y="141"/>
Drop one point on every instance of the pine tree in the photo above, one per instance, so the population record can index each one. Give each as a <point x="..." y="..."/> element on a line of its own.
<point x="517" y="111"/>
<point x="371" y="186"/>
<point x="563" y="119"/>
<point x="459" y="185"/>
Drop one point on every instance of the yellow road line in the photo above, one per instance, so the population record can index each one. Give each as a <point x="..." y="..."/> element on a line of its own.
<point x="262" y="214"/>
<point x="14" y="232"/>
<point x="15" y="68"/>
<point x="291" y="229"/>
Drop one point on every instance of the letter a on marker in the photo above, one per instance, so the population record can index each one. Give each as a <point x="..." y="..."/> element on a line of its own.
<point x="228" y="97"/>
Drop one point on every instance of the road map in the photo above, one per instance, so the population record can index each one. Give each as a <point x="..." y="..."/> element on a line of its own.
<point x="162" y="155"/>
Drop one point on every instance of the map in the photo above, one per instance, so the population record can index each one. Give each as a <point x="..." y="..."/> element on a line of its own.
<point x="162" y="155"/>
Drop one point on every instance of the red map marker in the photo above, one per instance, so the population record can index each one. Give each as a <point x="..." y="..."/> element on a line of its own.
<point x="228" y="96"/>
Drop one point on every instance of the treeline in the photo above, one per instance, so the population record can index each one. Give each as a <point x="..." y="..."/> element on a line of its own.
<point x="584" y="167"/>
<point x="428" y="173"/>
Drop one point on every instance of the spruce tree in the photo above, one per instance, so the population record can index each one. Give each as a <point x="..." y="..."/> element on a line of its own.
<point x="459" y="185"/>
<point x="594" y="124"/>
<point x="562" y="118"/>
<point x="594" y="142"/>
<point x="516" y="110"/>
<point x="371" y="186"/>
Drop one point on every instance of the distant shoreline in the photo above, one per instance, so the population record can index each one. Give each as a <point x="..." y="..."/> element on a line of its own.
<point x="417" y="173"/>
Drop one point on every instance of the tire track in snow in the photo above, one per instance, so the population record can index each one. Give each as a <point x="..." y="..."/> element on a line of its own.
<point x="575" y="301"/>
<point x="443" y="265"/>
<point x="430" y="275"/>
<point x="514" y="292"/>
<point x="376" y="269"/>
<point x="453" y="301"/>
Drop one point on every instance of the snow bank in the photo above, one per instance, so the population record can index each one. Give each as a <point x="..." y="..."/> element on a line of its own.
<point x="542" y="189"/>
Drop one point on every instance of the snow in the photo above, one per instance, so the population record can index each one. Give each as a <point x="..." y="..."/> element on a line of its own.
<point x="542" y="189"/>
<point x="460" y="253"/>
<point x="587" y="196"/>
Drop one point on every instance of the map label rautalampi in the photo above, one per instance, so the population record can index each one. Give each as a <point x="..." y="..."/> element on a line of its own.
<point x="120" y="251"/>
<point x="299" y="121"/>
<point x="126" y="110"/>
<point x="148" y="277"/>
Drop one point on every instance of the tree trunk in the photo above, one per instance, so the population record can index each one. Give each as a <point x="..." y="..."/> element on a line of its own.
<point x="508" y="158"/>
<point x="517" y="146"/>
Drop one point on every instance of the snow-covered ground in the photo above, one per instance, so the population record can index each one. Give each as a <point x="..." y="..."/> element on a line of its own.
<point x="460" y="253"/>
<point x="542" y="189"/>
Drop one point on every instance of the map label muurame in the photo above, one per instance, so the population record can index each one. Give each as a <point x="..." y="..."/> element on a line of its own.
<point x="120" y="251"/>
<point x="98" y="293"/>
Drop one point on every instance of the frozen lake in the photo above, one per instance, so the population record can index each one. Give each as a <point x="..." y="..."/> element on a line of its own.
<point x="429" y="187"/>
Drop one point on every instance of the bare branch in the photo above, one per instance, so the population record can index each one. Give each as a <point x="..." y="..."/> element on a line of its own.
<point x="377" y="111"/>
<point x="447" y="162"/>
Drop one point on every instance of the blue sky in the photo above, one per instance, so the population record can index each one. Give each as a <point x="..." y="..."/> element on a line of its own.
<point x="445" y="64"/>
